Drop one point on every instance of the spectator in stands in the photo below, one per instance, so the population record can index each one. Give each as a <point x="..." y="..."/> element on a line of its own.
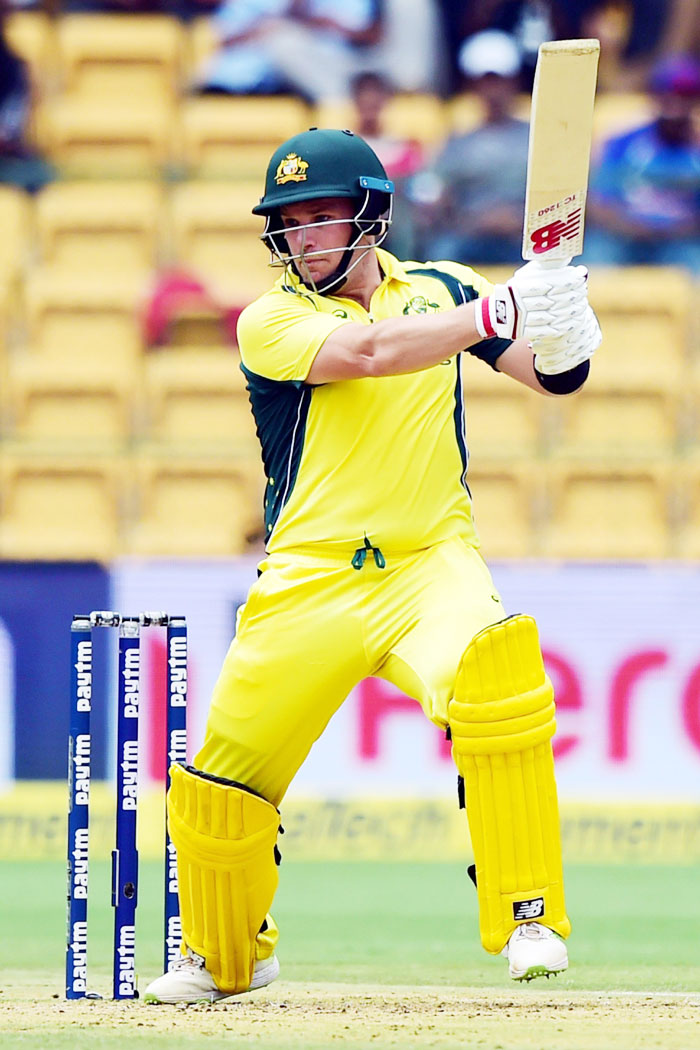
<point x="634" y="35"/>
<point x="471" y="200"/>
<point x="20" y="165"/>
<point x="310" y="48"/>
<point x="644" y="204"/>
<point x="370" y="94"/>
<point x="529" y="22"/>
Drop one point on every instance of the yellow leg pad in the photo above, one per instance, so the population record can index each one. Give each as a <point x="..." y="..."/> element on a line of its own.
<point x="502" y="722"/>
<point x="225" y="839"/>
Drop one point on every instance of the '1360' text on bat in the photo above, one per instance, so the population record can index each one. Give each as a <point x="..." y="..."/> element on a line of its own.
<point x="561" y="126"/>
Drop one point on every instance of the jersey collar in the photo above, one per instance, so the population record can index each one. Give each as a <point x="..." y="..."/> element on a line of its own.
<point x="390" y="266"/>
<point x="392" y="270"/>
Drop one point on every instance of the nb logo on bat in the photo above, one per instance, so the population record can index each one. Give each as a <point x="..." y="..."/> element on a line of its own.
<point x="550" y="236"/>
<point x="532" y="909"/>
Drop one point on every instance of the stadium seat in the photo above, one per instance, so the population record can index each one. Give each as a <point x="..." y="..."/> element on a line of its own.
<point x="201" y="44"/>
<point x="646" y="315"/>
<point x="198" y="397"/>
<point x="688" y="533"/>
<point x="465" y="111"/>
<point x="87" y="138"/>
<point x="85" y="317"/>
<point x="608" y="511"/>
<point x="618" y="111"/>
<point x="53" y="402"/>
<point x="66" y="507"/>
<point x="215" y="234"/>
<point x="195" y="326"/>
<point x="417" y="116"/>
<point x="98" y="226"/>
<point x="16" y="227"/>
<point x="234" y="137"/>
<point x="606" y="421"/>
<point x="505" y="495"/>
<point x="194" y="506"/>
<point x="116" y="56"/>
<point x="503" y="418"/>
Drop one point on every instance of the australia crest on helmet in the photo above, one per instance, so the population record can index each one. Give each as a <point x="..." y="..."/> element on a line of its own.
<point x="291" y="169"/>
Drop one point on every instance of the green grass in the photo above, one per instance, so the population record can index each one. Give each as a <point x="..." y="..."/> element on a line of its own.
<point x="635" y="928"/>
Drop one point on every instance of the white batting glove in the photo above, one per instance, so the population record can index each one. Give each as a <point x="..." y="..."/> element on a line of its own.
<point x="559" y="352"/>
<point x="552" y="282"/>
<point x="535" y="302"/>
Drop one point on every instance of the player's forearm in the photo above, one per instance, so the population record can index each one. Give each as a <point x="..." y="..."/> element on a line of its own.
<point x="399" y="345"/>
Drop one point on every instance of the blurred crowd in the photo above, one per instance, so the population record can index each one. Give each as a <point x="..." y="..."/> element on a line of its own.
<point x="465" y="199"/>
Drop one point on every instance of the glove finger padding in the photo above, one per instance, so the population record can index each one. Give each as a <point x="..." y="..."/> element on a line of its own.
<point x="535" y="279"/>
<point x="557" y="352"/>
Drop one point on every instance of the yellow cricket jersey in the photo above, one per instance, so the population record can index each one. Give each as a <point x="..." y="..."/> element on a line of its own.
<point x="383" y="458"/>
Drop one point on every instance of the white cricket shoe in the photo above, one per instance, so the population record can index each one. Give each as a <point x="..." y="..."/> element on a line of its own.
<point x="533" y="951"/>
<point x="189" y="981"/>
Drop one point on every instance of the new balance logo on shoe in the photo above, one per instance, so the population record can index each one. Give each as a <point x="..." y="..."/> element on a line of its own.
<point x="532" y="909"/>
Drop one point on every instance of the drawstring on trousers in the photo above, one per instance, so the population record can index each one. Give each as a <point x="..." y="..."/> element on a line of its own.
<point x="360" y="556"/>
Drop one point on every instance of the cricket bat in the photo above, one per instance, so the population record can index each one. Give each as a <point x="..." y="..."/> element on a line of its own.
<point x="561" y="129"/>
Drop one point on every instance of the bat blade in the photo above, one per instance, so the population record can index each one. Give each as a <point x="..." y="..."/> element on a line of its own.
<point x="561" y="129"/>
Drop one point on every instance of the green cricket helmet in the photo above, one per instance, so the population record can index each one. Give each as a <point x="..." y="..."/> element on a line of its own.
<point x="326" y="163"/>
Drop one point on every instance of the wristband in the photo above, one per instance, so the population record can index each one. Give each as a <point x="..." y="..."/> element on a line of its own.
<point x="565" y="382"/>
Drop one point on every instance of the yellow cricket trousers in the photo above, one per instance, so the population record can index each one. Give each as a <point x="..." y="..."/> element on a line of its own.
<point x="313" y="627"/>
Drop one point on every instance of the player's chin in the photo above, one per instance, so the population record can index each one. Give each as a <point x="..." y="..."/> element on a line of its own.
<point x="318" y="270"/>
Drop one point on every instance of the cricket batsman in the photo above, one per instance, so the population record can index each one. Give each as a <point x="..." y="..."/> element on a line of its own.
<point x="353" y="363"/>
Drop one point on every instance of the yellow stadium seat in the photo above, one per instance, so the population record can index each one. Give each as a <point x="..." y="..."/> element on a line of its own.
<point x="201" y="44"/>
<point x="215" y="234"/>
<point x="194" y="506"/>
<point x="16" y="230"/>
<point x="31" y="35"/>
<point x="85" y="317"/>
<point x="416" y="116"/>
<point x="612" y="510"/>
<point x="612" y="422"/>
<point x="106" y="55"/>
<point x="690" y="438"/>
<point x="505" y="504"/>
<point x="618" y="111"/>
<point x="60" y="507"/>
<point x="56" y="401"/>
<point x="6" y="304"/>
<point x="503" y="419"/>
<point x="465" y="111"/>
<point x="646" y="314"/>
<point x="337" y="114"/>
<point x="194" y="326"/>
<point x="88" y="138"/>
<point x="198" y="397"/>
<point x="97" y="226"/>
<point x="688" y="537"/>
<point x="234" y="137"/>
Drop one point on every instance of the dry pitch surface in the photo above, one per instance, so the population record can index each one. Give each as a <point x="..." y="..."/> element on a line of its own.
<point x="316" y="1015"/>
